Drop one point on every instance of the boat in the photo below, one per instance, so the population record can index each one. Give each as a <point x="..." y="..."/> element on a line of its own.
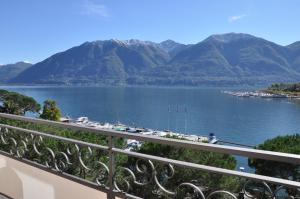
<point x="92" y="124"/>
<point x="133" y="144"/>
<point x="82" y="120"/>
<point x="193" y="138"/>
<point x="131" y="130"/>
<point x="105" y="126"/>
<point x="66" y="119"/>
<point x="147" y="132"/>
<point x="120" y="127"/>
<point x="160" y="133"/>
<point x="212" y="139"/>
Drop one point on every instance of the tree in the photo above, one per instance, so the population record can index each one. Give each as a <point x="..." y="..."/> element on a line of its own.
<point x="50" y="111"/>
<point x="206" y="180"/>
<point x="284" y="87"/>
<point x="285" y="144"/>
<point x="18" y="104"/>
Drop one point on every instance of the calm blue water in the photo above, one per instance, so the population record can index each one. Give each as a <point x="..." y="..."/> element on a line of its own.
<point x="197" y="111"/>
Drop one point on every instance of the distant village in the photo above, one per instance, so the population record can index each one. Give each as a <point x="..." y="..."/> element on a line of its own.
<point x="261" y="94"/>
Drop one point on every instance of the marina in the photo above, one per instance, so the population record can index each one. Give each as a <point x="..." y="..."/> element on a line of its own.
<point x="132" y="144"/>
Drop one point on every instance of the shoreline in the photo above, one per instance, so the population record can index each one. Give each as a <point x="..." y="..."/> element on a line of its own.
<point x="204" y="86"/>
<point x="262" y="94"/>
<point x="131" y="144"/>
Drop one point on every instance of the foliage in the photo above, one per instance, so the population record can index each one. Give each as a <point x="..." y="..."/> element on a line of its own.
<point x="63" y="132"/>
<point x="50" y="111"/>
<point x="199" y="178"/>
<point x="285" y="144"/>
<point x="18" y="104"/>
<point x="284" y="87"/>
<point x="57" y="146"/>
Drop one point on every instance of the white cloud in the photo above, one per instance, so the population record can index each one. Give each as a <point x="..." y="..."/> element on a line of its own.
<point x="236" y="18"/>
<point x="93" y="8"/>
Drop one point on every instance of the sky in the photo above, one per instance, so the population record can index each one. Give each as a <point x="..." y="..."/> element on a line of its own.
<point x="33" y="30"/>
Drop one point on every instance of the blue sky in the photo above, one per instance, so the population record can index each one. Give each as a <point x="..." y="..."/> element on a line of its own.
<point x="32" y="30"/>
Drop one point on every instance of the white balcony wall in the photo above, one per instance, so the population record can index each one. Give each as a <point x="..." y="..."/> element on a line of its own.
<point x="22" y="181"/>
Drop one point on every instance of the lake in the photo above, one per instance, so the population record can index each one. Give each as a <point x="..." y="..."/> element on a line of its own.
<point x="202" y="111"/>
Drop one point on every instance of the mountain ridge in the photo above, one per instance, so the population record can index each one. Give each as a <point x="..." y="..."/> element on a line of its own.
<point x="221" y="59"/>
<point x="9" y="71"/>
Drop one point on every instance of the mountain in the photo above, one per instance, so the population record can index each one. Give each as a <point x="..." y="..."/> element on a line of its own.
<point x="295" y="56"/>
<point x="10" y="71"/>
<point x="238" y="57"/>
<point x="294" y="46"/>
<point x="223" y="59"/>
<point x="107" y="62"/>
<point x="172" y="47"/>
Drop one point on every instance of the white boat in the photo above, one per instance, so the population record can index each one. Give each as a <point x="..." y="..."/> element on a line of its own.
<point x="105" y="126"/>
<point x="82" y="120"/>
<point x="120" y="127"/>
<point x="146" y="132"/>
<point x="131" y="130"/>
<point x="133" y="144"/>
<point x="92" y="124"/>
<point x="212" y="139"/>
<point x="65" y="119"/>
<point x="193" y="138"/>
<point x="160" y="133"/>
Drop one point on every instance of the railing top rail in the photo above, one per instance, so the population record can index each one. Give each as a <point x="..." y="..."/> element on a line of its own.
<point x="78" y="142"/>
<point x="212" y="169"/>
<point x="253" y="153"/>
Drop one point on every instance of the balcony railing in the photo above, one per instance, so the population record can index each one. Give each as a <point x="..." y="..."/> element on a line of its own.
<point x="98" y="166"/>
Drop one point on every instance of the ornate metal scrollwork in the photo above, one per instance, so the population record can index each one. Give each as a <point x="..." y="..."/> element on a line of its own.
<point x="147" y="168"/>
<point x="221" y="194"/>
<point x="251" y="190"/>
<point x="189" y="190"/>
<point x="55" y="154"/>
<point x="262" y="190"/>
<point x="102" y="176"/>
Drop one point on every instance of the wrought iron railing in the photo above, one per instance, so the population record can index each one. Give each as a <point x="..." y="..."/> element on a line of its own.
<point x="104" y="167"/>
